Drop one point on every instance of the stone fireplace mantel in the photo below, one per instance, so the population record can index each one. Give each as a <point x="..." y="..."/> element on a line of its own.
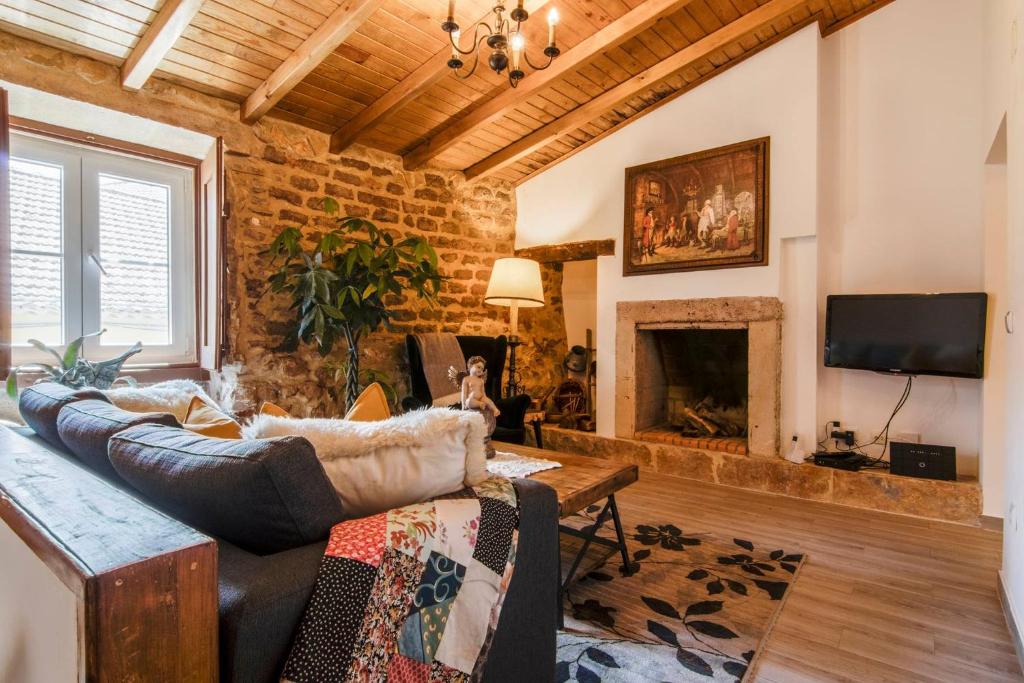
<point x="635" y="358"/>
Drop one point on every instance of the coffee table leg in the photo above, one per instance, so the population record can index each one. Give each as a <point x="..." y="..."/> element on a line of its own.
<point x="620" y="534"/>
<point x="591" y="537"/>
<point x="588" y="539"/>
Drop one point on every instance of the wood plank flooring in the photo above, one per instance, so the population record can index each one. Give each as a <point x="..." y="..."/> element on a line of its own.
<point x="882" y="597"/>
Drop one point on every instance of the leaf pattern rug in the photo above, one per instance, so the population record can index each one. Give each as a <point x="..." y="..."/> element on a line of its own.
<point x="694" y="607"/>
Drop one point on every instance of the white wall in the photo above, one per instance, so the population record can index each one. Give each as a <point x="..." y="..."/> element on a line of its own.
<point x="39" y="626"/>
<point x="582" y="198"/>
<point x="901" y="196"/>
<point x="877" y="154"/>
<point x="579" y="301"/>
<point x="1005" y="65"/>
<point x="36" y="105"/>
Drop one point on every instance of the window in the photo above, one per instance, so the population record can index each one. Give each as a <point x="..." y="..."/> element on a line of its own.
<point x="101" y="240"/>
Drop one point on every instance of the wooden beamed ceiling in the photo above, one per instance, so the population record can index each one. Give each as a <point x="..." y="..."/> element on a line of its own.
<point x="374" y="71"/>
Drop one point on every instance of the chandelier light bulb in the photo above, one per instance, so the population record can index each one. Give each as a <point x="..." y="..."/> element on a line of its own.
<point x="517" y="49"/>
<point x="504" y="40"/>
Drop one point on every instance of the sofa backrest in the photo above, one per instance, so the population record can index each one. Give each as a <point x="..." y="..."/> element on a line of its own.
<point x="85" y="428"/>
<point x="40" y="404"/>
<point x="263" y="495"/>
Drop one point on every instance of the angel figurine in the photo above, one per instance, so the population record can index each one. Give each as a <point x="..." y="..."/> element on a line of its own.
<point x="472" y="383"/>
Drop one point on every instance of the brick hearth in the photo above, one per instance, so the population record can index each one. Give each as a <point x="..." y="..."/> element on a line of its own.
<point x="722" y="444"/>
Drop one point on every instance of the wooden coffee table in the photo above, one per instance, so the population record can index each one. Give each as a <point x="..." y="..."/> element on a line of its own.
<point x="579" y="483"/>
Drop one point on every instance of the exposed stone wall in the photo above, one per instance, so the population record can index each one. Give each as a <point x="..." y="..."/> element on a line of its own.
<point x="276" y="173"/>
<point x="469" y="224"/>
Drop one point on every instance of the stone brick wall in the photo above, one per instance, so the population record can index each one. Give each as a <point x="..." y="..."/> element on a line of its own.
<point x="276" y="173"/>
<point x="469" y="224"/>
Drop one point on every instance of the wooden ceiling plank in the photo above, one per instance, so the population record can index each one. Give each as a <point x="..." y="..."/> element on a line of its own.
<point x="432" y="70"/>
<point x="765" y="14"/>
<point x="48" y="32"/>
<point x="77" y="22"/>
<point x="349" y="16"/>
<point x="126" y="9"/>
<point x="230" y="18"/>
<point x="621" y="30"/>
<point x="214" y="26"/>
<point x="108" y="17"/>
<point x="157" y="41"/>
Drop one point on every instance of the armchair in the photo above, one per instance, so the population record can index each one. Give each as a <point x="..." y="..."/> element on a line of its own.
<point x="510" y="427"/>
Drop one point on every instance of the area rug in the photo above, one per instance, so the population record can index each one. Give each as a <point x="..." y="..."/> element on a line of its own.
<point x="694" y="607"/>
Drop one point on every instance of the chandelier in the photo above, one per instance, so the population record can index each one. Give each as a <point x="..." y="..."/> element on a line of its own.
<point x="504" y="39"/>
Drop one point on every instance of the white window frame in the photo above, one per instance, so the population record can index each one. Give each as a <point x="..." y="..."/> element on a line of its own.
<point x="83" y="274"/>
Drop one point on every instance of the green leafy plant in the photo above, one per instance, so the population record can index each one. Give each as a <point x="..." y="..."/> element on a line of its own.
<point x="339" y="285"/>
<point x="367" y="376"/>
<point x="72" y="369"/>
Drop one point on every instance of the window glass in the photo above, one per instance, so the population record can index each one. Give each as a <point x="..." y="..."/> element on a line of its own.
<point x="37" y="282"/>
<point x="135" y="292"/>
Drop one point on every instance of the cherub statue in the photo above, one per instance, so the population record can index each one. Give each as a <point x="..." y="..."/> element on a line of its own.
<point x="474" y="397"/>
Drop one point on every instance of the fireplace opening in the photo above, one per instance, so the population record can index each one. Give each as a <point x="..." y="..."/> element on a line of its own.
<point x="692" y="387"/>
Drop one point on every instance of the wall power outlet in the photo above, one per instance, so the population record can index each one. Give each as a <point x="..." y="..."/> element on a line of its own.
<point x="906" y="437"/>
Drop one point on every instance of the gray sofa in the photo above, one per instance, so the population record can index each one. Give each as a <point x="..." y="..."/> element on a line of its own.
<point x="270" y="542"/>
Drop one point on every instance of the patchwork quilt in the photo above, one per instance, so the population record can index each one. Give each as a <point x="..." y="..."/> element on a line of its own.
<point x="411" y="595"/>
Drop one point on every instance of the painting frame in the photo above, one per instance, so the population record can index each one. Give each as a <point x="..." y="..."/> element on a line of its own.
<point x="758" y="225"/>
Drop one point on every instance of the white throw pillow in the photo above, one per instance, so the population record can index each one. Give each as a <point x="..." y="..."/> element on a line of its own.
<point x="378" y="466"/>
<point x="172" y="396"/>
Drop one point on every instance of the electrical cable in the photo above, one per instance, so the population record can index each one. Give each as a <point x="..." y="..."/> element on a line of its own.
<point x="882" y="435"/>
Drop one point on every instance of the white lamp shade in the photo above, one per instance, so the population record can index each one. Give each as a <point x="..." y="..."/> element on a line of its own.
<point x="515" y="280"/>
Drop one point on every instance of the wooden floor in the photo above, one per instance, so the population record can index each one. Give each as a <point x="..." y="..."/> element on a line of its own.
<point x="881" y="598"/>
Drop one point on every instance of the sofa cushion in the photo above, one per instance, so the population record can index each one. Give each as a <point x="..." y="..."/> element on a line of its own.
<point x="264" y="495"/>
<point x="85" y="427"/>
<point x="40" y="404"/>
<point x="406" y="459"/>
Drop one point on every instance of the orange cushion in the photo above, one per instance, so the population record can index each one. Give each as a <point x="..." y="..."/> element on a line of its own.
<point x="268" y="408"/>
<point x="372" y="405"/>
<point x="203" y="418"/>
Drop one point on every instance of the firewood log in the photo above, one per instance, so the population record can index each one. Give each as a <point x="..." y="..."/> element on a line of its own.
<point x="710" y="427"/>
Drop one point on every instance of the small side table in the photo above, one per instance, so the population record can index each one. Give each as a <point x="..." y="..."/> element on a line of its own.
<point x="535" y="418"/>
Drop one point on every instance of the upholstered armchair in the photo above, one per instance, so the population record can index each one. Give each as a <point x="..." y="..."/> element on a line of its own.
<point x="510" y="427"/>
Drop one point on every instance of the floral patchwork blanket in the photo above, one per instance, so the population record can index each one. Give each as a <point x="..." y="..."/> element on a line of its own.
<point x="412" y="594"/>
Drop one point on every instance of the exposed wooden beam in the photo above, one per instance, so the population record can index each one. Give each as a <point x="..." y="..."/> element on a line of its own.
<point x="170" y="22"/>
<point x="568" y="251"/>
<point x="342" y="23"/>
<point x="619" y="31"/>
<point x="765" y="14"/>
<point x="410" y="87"/>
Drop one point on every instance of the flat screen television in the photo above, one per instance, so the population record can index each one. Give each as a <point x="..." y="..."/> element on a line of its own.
<point x="912" y="334"/>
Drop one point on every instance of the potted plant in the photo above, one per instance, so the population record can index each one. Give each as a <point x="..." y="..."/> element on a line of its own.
<point x="73" y="370"/>
<point x="338" y="282"/>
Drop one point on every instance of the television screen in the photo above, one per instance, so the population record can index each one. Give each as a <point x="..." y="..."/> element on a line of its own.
<point x="914" y="334"/>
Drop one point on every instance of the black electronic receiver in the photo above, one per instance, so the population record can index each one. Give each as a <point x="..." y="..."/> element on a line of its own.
<point x="922" y="460"/>
<point x="840" y="461"/>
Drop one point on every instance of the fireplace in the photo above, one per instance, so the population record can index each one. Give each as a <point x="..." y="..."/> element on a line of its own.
<point x="700" y="373"/>
<point x="697" y="377"/>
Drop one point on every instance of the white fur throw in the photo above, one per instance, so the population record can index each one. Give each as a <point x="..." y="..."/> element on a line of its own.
<point x="172" y="396"/>
<point x="378" y="466"/>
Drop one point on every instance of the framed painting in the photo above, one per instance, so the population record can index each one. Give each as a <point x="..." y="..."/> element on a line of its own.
<point x="698" y="211"/>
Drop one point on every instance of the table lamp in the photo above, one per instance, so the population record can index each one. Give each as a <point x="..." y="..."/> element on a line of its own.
<point x="515" y="282"/>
